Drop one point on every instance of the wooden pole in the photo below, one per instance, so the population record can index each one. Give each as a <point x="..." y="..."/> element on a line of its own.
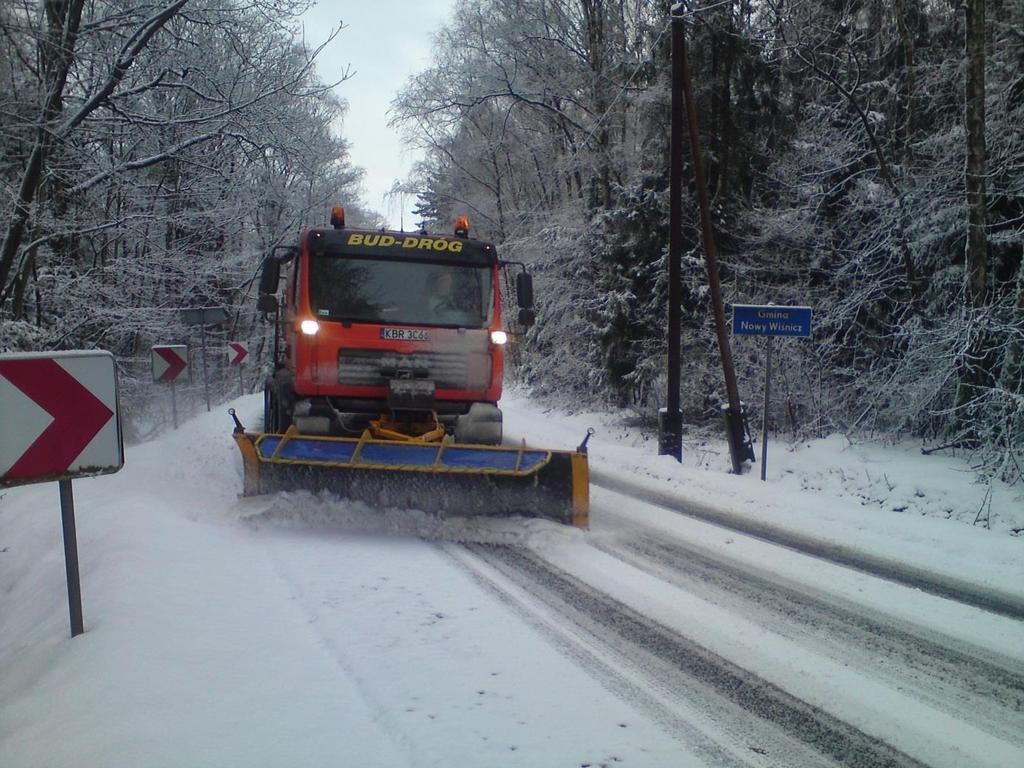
<point x="739" y="448"/>
<point x="670" y="439"/>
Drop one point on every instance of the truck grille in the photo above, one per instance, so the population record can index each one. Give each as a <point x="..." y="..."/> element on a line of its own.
<point x="448" y="370"/>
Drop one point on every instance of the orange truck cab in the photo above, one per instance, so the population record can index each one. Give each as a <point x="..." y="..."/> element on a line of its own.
<point x="379" y="324"/>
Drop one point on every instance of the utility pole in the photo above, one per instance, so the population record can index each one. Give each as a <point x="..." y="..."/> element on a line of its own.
<point x="740" y="449"/>
<point x="670" y="419"/>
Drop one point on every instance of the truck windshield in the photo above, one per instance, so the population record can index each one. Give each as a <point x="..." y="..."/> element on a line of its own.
<point x="401" y="292"/>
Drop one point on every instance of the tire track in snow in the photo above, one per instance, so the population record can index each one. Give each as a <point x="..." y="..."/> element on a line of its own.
<point x="681" y="664"/>
<point x="988" y="694"/>
<point x="606" y="668"/>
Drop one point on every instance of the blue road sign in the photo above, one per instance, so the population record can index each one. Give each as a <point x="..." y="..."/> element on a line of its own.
<point x="751" y="320"/>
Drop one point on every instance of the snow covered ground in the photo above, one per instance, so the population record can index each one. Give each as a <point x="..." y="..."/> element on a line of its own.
<point x="302" y="631"/>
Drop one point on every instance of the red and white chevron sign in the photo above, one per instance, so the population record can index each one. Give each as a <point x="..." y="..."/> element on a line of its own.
<point x="169" y="362"/>
<point x="60" y="417"/>
<point x="237" y="352"/>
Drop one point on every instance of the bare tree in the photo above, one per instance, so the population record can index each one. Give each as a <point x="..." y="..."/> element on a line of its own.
<point x="57" y="54"/>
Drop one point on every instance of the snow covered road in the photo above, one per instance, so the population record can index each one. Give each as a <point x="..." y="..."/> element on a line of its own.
<point x="295" y="630"/>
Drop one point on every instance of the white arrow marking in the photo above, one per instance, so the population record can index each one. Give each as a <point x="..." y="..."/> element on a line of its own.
<point x="24" y="421"/>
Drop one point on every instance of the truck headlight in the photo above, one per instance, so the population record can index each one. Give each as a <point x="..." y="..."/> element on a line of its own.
<point x="499" y="337"/>
<point x="309" y="327"/>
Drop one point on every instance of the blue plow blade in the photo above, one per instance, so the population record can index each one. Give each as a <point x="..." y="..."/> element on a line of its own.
<point x="446" y="479"/>
<point x="389" y="454"/>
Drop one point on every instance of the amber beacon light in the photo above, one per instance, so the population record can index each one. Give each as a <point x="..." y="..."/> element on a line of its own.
<point x="338" y="217"/>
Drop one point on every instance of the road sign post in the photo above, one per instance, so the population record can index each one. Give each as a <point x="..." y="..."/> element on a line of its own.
<point x="770" y="321"/>
<point x="169" y="362"/>
<point x="206" y="377"/>
<point x="61" y="420"/>
<point x="764" y="415"/>
<point x="202" y="317"/>
<point x="67" y="517"/>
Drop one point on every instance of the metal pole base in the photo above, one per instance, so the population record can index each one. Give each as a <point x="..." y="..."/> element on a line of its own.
<point x="670" y="434"/>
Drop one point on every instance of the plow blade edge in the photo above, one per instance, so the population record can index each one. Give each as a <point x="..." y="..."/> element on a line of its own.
<point x="440" y="478"/>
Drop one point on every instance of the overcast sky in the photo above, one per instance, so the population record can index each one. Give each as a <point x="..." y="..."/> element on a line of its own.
<point x="384" y="42"/>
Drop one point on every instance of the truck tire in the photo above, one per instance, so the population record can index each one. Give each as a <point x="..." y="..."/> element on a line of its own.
<point x="268" y="408"/>
<point x="278" y="401"/>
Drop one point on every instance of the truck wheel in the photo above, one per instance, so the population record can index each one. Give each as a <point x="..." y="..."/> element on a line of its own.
<point x="268" y="410"/>
<point x="276" y="419"/>
<point x="283" y="385"/>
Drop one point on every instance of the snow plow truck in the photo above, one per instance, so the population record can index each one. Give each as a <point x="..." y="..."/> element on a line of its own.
<point x="388" y="360"/>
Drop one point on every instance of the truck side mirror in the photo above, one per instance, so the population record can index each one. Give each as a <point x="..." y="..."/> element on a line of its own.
<point x="267" y="303"/>
<point x="527" y="317"/>
<point x="524" y="291"/>
<point x="269" y="279"/>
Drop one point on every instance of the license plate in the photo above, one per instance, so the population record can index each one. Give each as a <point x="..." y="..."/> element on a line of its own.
<point x="404" y="334"/>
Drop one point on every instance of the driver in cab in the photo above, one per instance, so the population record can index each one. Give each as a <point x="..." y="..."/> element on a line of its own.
<point x="442" y="300"/>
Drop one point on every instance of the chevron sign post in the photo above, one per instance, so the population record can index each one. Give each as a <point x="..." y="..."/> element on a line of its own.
<point x="61" y="420"/>
<point x="237" y="352"/>
<point x="169" y="362"/>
